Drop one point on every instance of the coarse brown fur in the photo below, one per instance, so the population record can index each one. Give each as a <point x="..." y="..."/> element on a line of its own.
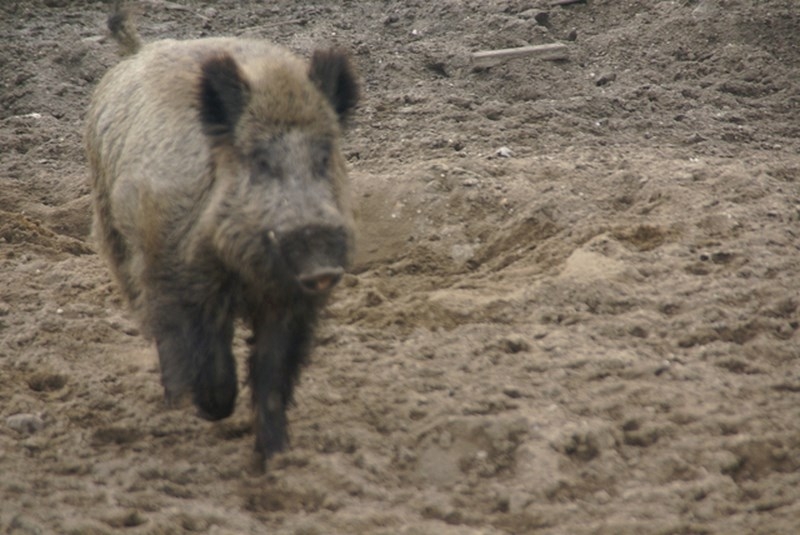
<point x="219" y="190"/>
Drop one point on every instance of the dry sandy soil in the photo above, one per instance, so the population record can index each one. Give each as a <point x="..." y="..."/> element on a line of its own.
<point x="594" y="332"/>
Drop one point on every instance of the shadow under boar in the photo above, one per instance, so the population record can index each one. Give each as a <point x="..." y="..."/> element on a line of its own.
<point x="220" y="191"/>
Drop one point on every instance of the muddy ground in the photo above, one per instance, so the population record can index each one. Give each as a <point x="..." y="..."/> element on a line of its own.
<point x="575" y="308"/>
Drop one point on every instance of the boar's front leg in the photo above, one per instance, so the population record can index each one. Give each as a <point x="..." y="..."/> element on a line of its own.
<point x="281" y="346"/>
<point x="194" y="333"/>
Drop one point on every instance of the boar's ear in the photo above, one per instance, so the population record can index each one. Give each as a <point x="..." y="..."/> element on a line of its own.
<point x="333" y="74"/>
<point x="223" y="96"/>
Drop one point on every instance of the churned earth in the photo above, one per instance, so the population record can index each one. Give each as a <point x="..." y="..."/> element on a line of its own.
<point x="575" y="308"/>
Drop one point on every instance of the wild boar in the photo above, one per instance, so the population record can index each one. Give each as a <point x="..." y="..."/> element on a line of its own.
<point x="220" y="191"/>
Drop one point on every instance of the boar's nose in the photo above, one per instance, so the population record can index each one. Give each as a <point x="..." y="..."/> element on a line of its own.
<point x="316" y="256"/>
<point x="321" y="281"/>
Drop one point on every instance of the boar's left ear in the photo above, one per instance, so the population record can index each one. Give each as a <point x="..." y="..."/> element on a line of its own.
<point x="223" y="96"/>
<point x="333" y="74"/>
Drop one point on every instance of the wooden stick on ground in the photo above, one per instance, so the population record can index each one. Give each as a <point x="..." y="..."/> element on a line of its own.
<point x="551" y="52"/>
<point x="566" y="2"/>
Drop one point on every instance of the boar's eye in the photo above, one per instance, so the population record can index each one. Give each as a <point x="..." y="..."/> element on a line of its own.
<point x="321" y="157"/>
<point x="263" y="166"/>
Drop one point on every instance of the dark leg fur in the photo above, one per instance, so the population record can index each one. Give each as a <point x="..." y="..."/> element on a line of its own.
<point x="281" y="347"/>
<point x="194" y="349"/>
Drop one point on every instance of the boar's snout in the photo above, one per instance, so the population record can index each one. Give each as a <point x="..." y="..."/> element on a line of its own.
<point x="320" y="281"/>
<point x="316" y="256"/>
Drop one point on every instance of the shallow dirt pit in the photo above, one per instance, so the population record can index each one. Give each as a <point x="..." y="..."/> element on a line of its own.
<point x="575" y="308"/>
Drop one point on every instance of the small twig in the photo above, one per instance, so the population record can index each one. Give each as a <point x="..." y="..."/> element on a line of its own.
<point x="271" y="25"/>
<point x="173" y="6"/>
<point x="166" y="4"/>
<point x="552" y="52"/>
<point x="566" y="2"/>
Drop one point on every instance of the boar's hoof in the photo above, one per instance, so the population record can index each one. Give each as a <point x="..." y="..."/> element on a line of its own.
<point x="216" y="405"/>
<point x="216" y="412"/>
<point x="321" y="281"/>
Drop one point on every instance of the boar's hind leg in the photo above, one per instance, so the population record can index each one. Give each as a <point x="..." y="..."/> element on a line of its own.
<point x="194" y="350"/>
<point x="281" y="348"/>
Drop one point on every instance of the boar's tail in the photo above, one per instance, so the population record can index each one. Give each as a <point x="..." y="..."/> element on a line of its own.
<point x="123" y="30"/>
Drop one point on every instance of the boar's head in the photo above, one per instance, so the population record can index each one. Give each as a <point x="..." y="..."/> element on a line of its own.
<point x="279" y="210"/>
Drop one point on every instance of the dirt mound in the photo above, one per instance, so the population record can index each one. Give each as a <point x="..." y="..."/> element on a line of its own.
<point x="575" y="308"/>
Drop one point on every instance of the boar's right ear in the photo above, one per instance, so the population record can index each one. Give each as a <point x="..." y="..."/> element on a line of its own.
<point x="333" y="74"/>
<point x="223" y="96"/>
